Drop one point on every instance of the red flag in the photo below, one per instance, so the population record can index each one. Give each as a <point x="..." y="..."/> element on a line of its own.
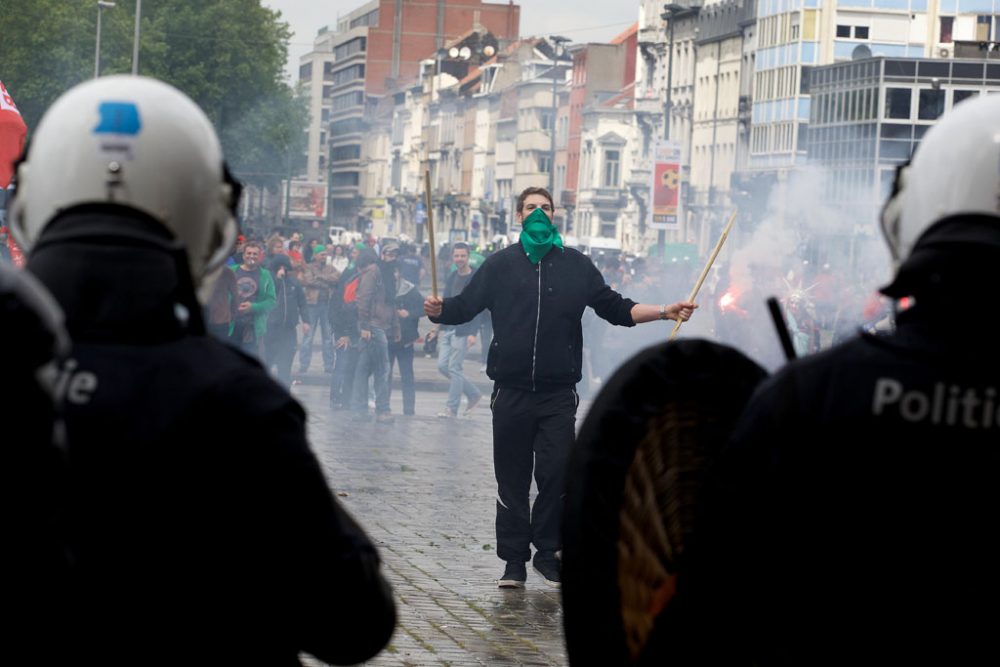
<point x="12" y="134"/>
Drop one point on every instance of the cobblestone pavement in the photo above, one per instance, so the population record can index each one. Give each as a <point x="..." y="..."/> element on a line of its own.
<point x="424" y="490"/>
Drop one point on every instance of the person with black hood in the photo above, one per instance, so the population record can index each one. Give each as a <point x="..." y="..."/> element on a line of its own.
<point x="344" y="324"/>
<point x="202" y="528"/>
<point x="281" y="341"/>
<point x="536" y="291"/>
<point x="409" y="305"/>
<point x="852" y="519"/>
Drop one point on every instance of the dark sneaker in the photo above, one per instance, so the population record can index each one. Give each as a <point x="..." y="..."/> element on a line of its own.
<point x="547" y="565"/>
<point x="514" y="575"/>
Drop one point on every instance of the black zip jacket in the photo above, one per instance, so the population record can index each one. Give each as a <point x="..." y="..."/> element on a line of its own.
<point x="409" y="299"/>
<point x="199" y="516"/>
<point x="344" y="316"/>
<point x="290" y="305"/>
<point x="853" y="517"/>
<point x="536" y="309"/>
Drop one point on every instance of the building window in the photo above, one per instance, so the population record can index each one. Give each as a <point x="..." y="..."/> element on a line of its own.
<point x="960" y="95"/>
<point x="931" y="104"/>
<point x="609" y="225"/>
<point x="860" y="32"/>
<point x="545" y="164"/>
<point x="897" y="103"/>
<point x="350" y="152"/>
<point x="348" y="74"/>
<point x="369" y="19"/>
<point x="947" y="25"/>
<point x="983" y="24"/>
<point x="895" y="150"/>
<point x="305" y="72"/>
<point x="397" y="172"/>
<point x="344" y="179"/>
<point x="545" y="118"/>
<point x="348" y="49"/>
<point x="348" y="126"/>
<point x="612" y="167"/>
<point x="347" y="100"/>
<point x="843" y="31"/>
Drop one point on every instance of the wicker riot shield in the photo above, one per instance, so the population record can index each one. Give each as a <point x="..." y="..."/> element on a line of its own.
<point x="633" y="481"/>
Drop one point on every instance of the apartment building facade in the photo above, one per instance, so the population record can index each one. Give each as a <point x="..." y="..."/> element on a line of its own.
<point x="378" y="48"/>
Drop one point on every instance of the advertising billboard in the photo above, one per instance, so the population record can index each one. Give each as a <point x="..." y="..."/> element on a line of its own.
<point x="665" y="211"/>
<point x="306" y="201"/>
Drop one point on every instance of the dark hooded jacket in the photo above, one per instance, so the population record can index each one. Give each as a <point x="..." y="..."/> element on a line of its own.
<point x="200" y="518"/>
<point x="290" y="302"/>
<point x="408" y="298"/>
<point x="35" y="561"/>
<point x="344" y="304"/>
<point x="537" y="310"/>
<point x="852" y="518"/>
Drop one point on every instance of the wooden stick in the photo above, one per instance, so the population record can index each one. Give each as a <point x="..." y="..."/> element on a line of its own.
<point x="430" y="232"/>
<point x="708" y="267"/>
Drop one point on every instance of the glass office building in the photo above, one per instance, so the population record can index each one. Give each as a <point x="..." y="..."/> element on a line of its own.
<point x="868" y="116"/>
<point x="794" y="36"/>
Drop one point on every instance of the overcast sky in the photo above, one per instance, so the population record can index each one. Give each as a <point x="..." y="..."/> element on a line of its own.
<point x="580" y="20"/>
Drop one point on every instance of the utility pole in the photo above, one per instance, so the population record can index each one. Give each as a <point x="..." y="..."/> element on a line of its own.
<point x="671" y="12"/>
<point x="101" y="5"/>
<point x="135" y="38"/>
<point x="557" y="51"/>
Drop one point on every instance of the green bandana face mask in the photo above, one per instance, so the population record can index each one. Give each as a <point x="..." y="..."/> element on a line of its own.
<point x="538" y="235"/>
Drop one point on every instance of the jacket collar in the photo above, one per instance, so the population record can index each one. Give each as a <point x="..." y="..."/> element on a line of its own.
<point x="119" y="278"/>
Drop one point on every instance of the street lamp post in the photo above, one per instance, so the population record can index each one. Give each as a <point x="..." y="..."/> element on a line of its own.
<point x="135" y="38"/>
<point x="557" y="51"/>
<point x="671" y="12"/>
<point x="101" y="6"/>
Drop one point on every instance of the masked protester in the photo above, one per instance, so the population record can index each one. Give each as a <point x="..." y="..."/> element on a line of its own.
<point x="851" y="520"/>
<point x="203" y="530"/>
<point x="536" y="291"/>
<point x="283" y="320"/>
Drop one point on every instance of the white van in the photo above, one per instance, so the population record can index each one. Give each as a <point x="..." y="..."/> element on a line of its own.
<point x="338" y="236"/>
<point x="596" y="246"/>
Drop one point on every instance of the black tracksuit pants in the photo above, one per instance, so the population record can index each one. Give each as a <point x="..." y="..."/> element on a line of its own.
<point x="532" y="431"/>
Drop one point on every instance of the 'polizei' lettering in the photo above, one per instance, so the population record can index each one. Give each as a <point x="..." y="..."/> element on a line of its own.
<point x="948" y="405"/>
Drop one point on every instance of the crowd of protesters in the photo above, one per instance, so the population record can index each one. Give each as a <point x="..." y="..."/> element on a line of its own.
<point x="361" y="304"/>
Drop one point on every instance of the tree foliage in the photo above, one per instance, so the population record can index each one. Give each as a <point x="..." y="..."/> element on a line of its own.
<point x="227" y="55"/>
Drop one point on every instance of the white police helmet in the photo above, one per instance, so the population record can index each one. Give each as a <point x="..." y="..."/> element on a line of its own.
<point x="954" y="172"/>
<point x="137" y="143"/>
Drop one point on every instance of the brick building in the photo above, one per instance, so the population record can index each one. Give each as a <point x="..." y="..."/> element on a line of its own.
<point x="378" y="48"/>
